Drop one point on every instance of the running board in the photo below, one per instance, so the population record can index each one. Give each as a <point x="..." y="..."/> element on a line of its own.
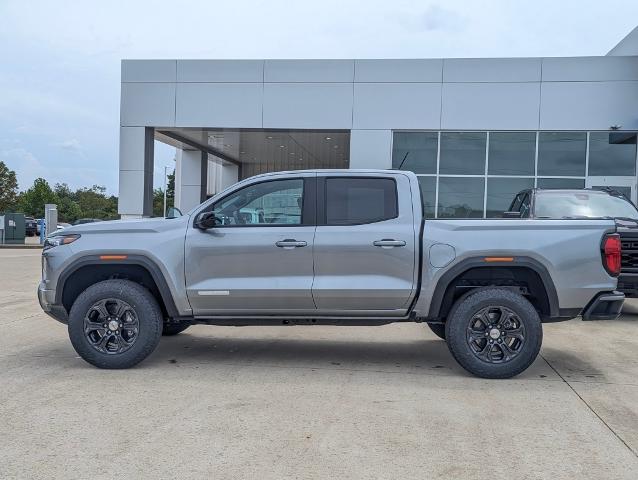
<point x="278" y="320"/>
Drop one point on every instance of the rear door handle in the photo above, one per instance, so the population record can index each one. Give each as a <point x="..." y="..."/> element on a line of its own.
<point x="289" y="243"/>
<point x="388" y="243"/>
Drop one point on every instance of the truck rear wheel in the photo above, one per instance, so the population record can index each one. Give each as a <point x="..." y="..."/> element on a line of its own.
<point x="115" y="324"/>
<point x="494" y="333"/>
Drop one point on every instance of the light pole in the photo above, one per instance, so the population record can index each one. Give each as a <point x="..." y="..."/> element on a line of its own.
<point x="165" y="188"/>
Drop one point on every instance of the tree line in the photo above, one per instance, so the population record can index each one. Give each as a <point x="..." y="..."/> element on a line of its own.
<point x="85" y="202"/>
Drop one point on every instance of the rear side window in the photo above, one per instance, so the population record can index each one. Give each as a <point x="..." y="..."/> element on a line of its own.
<point x="355" y="201"/>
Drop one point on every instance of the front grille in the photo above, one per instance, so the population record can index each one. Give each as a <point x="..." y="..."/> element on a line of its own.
<point x="629" y="250"/>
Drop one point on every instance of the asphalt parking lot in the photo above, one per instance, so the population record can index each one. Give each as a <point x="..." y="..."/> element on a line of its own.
<point x="309" y="402"/>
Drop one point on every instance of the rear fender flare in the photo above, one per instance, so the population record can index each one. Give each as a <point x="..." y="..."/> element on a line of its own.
<point x="479" y="262"/>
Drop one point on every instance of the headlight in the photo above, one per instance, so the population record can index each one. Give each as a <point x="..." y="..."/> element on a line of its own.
<point x="57" y="240"/>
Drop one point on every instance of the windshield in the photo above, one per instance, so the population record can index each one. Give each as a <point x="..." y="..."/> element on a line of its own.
<point x="582" y="205"/>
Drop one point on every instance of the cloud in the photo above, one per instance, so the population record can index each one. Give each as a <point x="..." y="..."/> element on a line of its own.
<point x="440" y="18"/>
<point x="72" y="145"/>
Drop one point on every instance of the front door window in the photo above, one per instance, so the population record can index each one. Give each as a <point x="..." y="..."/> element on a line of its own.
<point x="272" y="203"/>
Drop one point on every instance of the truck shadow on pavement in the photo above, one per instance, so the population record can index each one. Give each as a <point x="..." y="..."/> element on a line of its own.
<point x="307" y="353"/>
<point x="572" y="366"/>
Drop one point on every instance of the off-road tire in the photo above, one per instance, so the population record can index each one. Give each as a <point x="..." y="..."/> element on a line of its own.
<point x="461" y="316"/>
<point x="145" y="307"/>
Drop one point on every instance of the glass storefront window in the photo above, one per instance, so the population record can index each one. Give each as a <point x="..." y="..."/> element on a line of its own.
<point x="512" y="153"/>
<point x="428" y="195"/>
<point x="462" y="153"/>
<point x="501" y="192"/>
<point x="562" y="153"/>
<point x="561" y="183"/>
<point x="612" y="153"/>
<point x="515" y="161"/>
<point x="461" y="197"/>
<point x="416" y="151"/>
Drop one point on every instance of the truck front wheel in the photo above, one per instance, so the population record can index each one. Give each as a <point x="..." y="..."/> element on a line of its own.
<point x="494" y="333"/>
<point x="115" y="324"/>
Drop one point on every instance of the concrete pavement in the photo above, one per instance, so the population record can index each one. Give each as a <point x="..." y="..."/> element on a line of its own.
<point x="310" y="402"/>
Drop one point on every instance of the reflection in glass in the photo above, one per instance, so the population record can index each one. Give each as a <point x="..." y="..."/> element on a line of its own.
<point x="562" y="153"/>
<point x="463" y="153"/>
<point x="415" y="151"/>
<point x="276" y="202"/>
<point x="582" y="204"/>
<point x="428" y="195"/>
<point x="512" y="153"/>
<point x="612" y="153"/>
<point x="561" y="183"/>
<point x="501" y="192"/>
<point x="461" y="197"/>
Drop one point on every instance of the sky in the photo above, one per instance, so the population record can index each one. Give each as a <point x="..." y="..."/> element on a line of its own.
<point x="60" y="60"/>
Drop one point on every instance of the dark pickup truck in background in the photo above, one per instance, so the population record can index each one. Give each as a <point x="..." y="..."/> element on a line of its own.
<point x="579" y="204"/>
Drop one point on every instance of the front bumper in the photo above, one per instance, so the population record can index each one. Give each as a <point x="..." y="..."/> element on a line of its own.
<point x="605" y="306"/>
<point x="47" y="302"/>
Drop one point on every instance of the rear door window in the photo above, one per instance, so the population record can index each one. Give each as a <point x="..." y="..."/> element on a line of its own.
<point x="356" y="201"/>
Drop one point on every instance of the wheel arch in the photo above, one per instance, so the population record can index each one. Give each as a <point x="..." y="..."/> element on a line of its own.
<point x="86" y="271"/>
<point x="520" y="269"/>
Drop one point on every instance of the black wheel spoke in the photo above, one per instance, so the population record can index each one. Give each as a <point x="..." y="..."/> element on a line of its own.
<point x="121" y="343"/>
<point x="505" y="319"/>
<point x="484" y="317"/>
<point x="103" y="342"/>
<point x="507" y="351"/>
<point x="477" y="335"/>
<point x="120" y="309"/>
<point x="101" y="310"/>
<point x="516" y="333"/>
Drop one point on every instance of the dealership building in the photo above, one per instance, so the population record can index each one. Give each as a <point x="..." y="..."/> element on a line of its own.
<point x="476" y="131"/>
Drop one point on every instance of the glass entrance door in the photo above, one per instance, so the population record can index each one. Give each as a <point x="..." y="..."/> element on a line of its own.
<point x="625" y="185"/>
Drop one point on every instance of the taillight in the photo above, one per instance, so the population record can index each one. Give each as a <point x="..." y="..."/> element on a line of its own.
<point x="612" y="254"/>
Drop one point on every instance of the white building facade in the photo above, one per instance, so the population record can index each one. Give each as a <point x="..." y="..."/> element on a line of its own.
<point x="476" y="131"/>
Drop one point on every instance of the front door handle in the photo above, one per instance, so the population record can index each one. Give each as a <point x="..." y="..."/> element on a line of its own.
<point x="388" y="243"/>
<point x="289" y="243"/>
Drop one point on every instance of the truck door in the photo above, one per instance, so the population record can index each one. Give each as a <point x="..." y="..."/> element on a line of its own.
<point x="365" y="252"/>
<point x="258" y="259"/>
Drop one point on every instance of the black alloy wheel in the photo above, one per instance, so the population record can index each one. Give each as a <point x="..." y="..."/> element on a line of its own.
<point x="111" y="326"/>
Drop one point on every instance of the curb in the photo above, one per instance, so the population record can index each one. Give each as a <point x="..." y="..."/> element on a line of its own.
<point x="20" y="246"/>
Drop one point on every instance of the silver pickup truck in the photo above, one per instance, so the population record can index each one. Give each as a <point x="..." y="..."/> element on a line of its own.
<point x="343" y="247"/>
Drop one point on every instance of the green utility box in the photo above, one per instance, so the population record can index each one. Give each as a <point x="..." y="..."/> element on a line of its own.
<point x="12" y="228"/>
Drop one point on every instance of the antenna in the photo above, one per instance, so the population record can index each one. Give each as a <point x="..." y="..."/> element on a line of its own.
<point x="403" y="161"/>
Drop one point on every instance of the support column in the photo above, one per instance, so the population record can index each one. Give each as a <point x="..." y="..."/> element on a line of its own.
<point x="191" y="173"/>
<point x="136" y="172"/>
<point x="371" y="149"/>
<point x="221" y="174"/>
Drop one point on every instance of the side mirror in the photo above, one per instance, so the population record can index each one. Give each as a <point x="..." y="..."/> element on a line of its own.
<point x="512" y="214"/>
<point x="206" y="220"/>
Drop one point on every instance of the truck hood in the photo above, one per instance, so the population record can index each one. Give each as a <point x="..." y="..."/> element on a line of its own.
<point x="147" y="225"/>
